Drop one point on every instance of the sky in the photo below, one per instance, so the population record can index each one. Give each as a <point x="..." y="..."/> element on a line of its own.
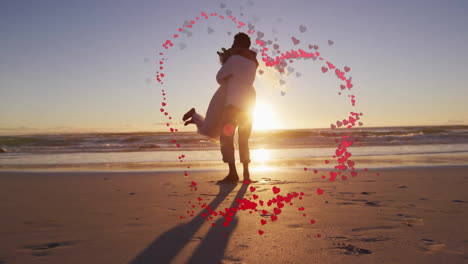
<point x="75" y="66"/>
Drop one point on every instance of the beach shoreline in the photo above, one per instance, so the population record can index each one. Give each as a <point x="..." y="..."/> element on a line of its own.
<point x="402" y="215"/>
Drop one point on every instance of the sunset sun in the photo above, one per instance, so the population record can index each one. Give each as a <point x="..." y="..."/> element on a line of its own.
<point x="264" y="117"/>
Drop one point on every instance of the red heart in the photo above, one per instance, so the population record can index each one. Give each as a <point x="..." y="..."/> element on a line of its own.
<point x="260" y="232"/>
<point x="252" y="189"/>
<point x="319" y="191"/>
<point x="255" y="197"/>
<point x="276" y="190"/>
<point x="163" y="104"/>
<point x="312" y="221"/>
<point x="346" y="69"/>
<point x="263" y="222"/>
<point x="324" y="69"/>
<point x="273" y="217"/>
<point x="277" y="211"/>
<point x="264" y="212"/>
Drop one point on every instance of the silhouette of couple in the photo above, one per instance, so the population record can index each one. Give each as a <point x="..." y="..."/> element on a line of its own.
<point x="231" y="106"/>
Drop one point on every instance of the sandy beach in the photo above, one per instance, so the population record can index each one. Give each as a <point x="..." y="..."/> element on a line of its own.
<point x="406" y="215"/>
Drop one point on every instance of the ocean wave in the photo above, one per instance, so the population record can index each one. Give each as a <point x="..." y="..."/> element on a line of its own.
<point x="304" y="138"/>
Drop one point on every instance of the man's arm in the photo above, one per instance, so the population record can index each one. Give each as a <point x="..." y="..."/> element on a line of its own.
<point x="226" y="70"/>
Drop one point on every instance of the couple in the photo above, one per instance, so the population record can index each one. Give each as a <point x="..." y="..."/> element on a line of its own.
<point x="231" y="106"/>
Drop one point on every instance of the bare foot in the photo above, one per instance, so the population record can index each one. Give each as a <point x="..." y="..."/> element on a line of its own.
<point x="188" y="114"/>
<point x="190" y="121"/>
<point x="230" y="178"/>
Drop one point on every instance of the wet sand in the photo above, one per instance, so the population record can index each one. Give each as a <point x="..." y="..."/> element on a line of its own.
<point x="411" y="215"/>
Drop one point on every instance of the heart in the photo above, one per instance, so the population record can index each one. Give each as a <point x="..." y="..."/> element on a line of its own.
<point x="279" y="64"/>
<point x="260" y="34"/>
<point x="302" y="28"/>
<point x="295" y="41"/>
<point x="319" y="191"/>
<point x="263" y="222"/>
<point x="277" y="211"/>
<point x="276" y="190"/>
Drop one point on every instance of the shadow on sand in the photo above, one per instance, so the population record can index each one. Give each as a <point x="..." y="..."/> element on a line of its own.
<point x="211" y="249"/>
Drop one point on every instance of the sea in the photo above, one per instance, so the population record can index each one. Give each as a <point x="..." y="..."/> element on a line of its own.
<point x="294" y="149"/>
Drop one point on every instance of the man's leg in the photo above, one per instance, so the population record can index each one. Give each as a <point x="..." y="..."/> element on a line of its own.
<point x="227" y="143"/>
<point x="244" y="131"/>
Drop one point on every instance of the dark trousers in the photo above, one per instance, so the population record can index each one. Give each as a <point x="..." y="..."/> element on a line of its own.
<point x="235" y="118"/>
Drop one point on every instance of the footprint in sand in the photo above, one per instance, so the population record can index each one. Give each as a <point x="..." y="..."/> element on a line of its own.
<point x="410" y="220"/>
<point x="39" y="250"/>
<point x="373" y="204"/>
<point x="374" y="239"/>
<point x="431" y="246"/>
<point x="373" y="228"/>
<point x="352" y="250"/>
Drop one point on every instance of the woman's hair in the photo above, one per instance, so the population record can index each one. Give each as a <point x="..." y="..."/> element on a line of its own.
<point x="241" y="40"/>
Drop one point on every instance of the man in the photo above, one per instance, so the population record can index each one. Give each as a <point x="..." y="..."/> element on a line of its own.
<point x="238" y="75"/>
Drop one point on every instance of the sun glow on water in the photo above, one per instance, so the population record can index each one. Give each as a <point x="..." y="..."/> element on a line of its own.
<point x="260" y="156"/>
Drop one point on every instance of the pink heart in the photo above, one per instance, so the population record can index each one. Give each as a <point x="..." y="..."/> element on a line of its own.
<point x="347" y="69"/>
<point x="324" y="69"/>
<point x="295" y="40"/>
